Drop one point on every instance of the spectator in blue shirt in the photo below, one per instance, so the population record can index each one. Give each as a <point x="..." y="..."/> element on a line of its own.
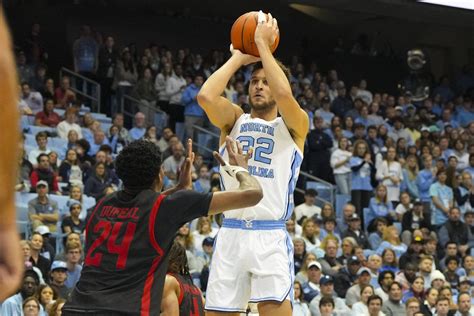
<point x="12" y="306"/>
<point x="362" y="170"/>
<point x="193" y="113"/>
<point x="424" y="180"/>
<point x="442" y="199"/>
<point x="380" y="206"/>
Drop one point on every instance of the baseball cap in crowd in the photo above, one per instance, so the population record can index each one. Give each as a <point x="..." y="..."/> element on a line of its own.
<point x="354" y="217"/>
<point x="362" y="270"/>
<point x="314" y="264"/>
<point x="42" y="182"/>
<point x="326" y="279"/>
<point x="398" y="108"/>
<point x="353" y="260"/>
<point x="417" y="202"/>
<point x="43" y="230"/>
<point x="306" y="81"/>
<point x="411" y="106"/>
<point x="434" y="129"/>
<point x="58" y="265"/>
<point x="425" y="129"/>
<point x="437" y="275"/>
<point x="208" y="241"/>
<point x="469" y="211"/>
<point x="417" y="239"/>
<point x="465" y="279"/>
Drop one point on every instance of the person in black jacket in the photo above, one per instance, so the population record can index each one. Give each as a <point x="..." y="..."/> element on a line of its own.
<point x="413" y="219"/>
<point x="346" y="277"/>
<point x="98" y="183"/>
<point x="455" y="230"/>
<point x="318" y="151"/>
<point x="355" y="231"/>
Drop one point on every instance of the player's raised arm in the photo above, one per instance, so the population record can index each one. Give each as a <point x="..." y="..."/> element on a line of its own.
<point x="294" y="116"/>
<point x="249" y="192"/>
<point x="10" y="256"/>
<point x="221" y="112"/>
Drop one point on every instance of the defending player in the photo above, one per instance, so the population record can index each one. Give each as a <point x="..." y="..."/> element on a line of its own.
<point x="180" y="296"/>
<point x="129" y="232"/>
<point x="253" y="256"/>
<point x="11" y="260"/>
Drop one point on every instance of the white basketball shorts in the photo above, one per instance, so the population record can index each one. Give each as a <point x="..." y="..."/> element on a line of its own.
<point x="252" y="262"/>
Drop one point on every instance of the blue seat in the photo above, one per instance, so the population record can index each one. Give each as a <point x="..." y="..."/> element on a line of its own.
<point x="324" y="191"/>
<point x="36" y="129"/>
<point x="341" y="200"/>
<point x="59" y="112"/>
<point x="22" y="219"/>
<point x="30" y="140"/>
<point x="60" y="199"/>
<point x="58" y="142"/>
<point x="368" y="217"/>
<point x="106" y="127"/>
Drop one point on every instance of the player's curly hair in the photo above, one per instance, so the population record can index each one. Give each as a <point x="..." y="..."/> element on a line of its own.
<point x="138" y="165"/>
<point x="178" y="262"/>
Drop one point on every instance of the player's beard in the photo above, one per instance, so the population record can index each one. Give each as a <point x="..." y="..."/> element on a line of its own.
<point x="262" y="107"/>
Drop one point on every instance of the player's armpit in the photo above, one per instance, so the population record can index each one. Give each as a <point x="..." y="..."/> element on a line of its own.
<point x="221" y="112"/>
<point x="169" y="301"/>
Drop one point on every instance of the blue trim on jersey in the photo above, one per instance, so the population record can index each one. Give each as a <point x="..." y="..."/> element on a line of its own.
<point x="297" y="159"/>
<point x="253" y="224"/>
<point x="290" y="291"/>
<point x="219" y="170"/>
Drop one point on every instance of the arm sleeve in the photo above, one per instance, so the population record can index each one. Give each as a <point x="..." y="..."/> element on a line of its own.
<point x="356" y="164"/>
<point x="187" y="97"/>
<point x="185" y="205"/>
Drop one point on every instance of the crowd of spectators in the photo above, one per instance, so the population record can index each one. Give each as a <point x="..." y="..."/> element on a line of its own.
<point x="403" y="243"/>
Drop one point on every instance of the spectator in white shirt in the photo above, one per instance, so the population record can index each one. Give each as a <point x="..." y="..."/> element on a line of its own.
<point x="32" y="98"/>
<point x="307" y="209"/>
<point x="69" y="124"/>
<point x="340" y="163"/>
<point x="175" y="86"/>
<point x="42" y="141"/>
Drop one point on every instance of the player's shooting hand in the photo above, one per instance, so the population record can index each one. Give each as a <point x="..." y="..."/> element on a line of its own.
<point x="267" y="29"/>
<point x="185" y="172"/>
<point x="11" y="261"/>
<point x="244" y="59"/>
<point x="236" y="155"/>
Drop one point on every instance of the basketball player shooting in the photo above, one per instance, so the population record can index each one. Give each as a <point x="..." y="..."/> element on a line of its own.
<point x="11" y="259"/>
<point x="253" y="259"/>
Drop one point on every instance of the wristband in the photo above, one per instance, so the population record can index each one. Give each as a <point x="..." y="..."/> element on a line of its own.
<point x="233" y="170"/>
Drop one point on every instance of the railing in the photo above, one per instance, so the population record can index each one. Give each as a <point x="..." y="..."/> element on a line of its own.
<point x="331" y="187"/>
<point x="197" y="143"/>
<point x="95" y="91"/>
<point x="307" y="176"/>
<point x="129" y="107"/>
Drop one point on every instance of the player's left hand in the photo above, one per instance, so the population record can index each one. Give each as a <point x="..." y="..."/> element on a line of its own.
<point x="185" y="180"/>
<point x="267" y="29"/>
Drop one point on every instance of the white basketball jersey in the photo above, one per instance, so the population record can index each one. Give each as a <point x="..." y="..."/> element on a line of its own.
<point x="275" y="162"/>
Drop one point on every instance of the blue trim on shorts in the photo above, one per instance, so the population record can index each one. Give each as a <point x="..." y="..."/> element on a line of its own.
<point x="253" y="224"/>
<point x="224" y="309"/>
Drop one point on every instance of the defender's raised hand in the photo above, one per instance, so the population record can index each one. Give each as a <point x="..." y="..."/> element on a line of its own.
<point x="236" y="155"/>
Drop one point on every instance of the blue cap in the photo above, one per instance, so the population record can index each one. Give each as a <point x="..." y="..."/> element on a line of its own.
<point x="326" y="279"/>
<point x="58" y="265"/>
<point x="208" y="241"/>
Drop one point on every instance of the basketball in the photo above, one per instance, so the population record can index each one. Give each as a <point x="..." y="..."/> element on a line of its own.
<point x="243" y="31"/>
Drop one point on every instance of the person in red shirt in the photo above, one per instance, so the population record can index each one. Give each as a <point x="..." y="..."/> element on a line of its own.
<point x="47" y="117"/>
<point x="63" y="94"/>
<point x="180" y="295"/>
<point x="44" y="172"/>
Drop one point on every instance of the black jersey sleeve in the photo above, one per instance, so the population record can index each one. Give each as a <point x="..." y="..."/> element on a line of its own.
<point x="184" y="206"/>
